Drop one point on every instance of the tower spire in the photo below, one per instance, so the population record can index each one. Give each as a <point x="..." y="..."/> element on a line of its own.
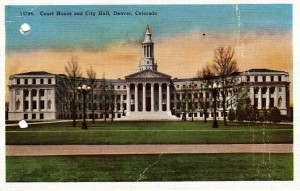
<point x="147" y="61"/>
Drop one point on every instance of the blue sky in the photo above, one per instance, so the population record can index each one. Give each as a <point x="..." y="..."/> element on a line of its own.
<point x="94" y="32"/>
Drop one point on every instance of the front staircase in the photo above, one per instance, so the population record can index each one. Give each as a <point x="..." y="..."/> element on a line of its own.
<point x="150" y="115"/>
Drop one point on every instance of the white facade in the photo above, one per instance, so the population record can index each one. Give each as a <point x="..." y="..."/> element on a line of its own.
<point x="145" y="95"/>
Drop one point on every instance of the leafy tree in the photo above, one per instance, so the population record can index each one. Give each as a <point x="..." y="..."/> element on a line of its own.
<point x="183" y="103"/>
<point x="104" y="97"/>
<point x="275" y="115"/>
<point x="225" y="67"/>
<point x="231" y="115"/>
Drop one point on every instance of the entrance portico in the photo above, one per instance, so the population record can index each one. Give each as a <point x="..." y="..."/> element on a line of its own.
<point x="149" y="91"/>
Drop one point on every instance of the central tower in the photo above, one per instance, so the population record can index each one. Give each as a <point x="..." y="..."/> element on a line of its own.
<point x="147" y="61"/>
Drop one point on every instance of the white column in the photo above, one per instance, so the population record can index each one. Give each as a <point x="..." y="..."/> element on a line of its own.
<point x="29" y="101"/>
<point x="144" y="96"/>
<point x="10" y="100"/>
<point x="259" y="98"/>
<point x="284" y="97"/>
<point x="46" y="100"/>
<point x="136" y="97"/>
<point x="159" y="97"/>
<point x="268" y="98"/>
<point x="121" y="102"/>
<point x="276" y="97"/>
<point x="252" y="95"/>
<point x="152" y="97"/>
<point x="14" y="100"/>
<point x="175" y="100"/>
<point x="38" y="100"/>
<point x="168" y="97"/>
<point x="22" y="100"/>
<point x="128" y="98"/>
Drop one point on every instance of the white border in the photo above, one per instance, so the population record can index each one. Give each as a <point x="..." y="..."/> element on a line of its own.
<point x="212" y="185"/>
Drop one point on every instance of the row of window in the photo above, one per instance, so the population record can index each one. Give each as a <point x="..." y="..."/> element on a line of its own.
<point x="34" y="81"/>
<point x="34" y="116"/>
<point x="201" y="114"/>
<point x="264" y="78"/>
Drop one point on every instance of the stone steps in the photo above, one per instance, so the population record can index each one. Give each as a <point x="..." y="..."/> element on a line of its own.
<point x="156" y="115"/>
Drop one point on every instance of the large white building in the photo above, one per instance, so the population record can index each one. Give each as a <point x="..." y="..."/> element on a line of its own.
<point x="144" y="95"/>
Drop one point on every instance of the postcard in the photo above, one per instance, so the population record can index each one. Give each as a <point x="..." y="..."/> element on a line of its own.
<point x="149" y="96"/>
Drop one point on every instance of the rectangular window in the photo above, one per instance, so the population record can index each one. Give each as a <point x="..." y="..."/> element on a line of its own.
<point x="42" y="104"/>
<point x="124" y="87"/>
<point x="164" y="96"/>
<point x="41" y="116"/>
<point x="272" y="78"/>
<point x="42" y="92"/>
<point x="264" y="78"/>
<point x="279" y="78"/>
<point x="33" y="81"/>
<point x="33" y="104"/>
<point x="279" y="89"/>
<point x="41" y="81"/>
<point x="34" y="92"/>
<point x="256" y="78"/>
<point x="124" y="97"/>
<point x="33" y="116"/>
<point x="25" y="81"/>
<point x="25" y="116"/>
<point x="195" y="114"/>
<point x="18" y="81"/>
<point x="26" y="105"/>
<point x="49" y="81"/>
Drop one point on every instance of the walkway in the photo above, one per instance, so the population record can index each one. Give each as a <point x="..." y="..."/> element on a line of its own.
<point x="46" y="150"/>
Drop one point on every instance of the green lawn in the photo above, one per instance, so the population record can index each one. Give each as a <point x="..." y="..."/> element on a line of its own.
<point x="149" y="133"/>
<point x="186" y="167"/>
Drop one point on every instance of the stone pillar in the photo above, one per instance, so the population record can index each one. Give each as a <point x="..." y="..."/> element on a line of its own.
<point x="38" y="100"/>
<point x="284" y="97"/>
<point x="121" y="102"/>
<point x="252" y="95"/>
<point x="268" y="98"/>
<point x="22" y="100"/>
<point x="46" y="100"/>
<point x="276" y="97"/>
<point x="128" y="104"/>
<point x="144" y="96"/>
<point x="10" y="100"/>
<point x="168" y="97"/>
<point x="136" y="97"/>
<point x="152" y="97"/>
<point x="159" y="97"/>
<point x="14" y="100"/>
<point x="175" y="100"/>
<point x="259" y="98"/>
<point x="29" y="101"/>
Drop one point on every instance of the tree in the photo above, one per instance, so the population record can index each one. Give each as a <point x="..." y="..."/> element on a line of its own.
<point x="111" y="95"/>
<point x="104" y="98"/>
<point x="92" y="83"/>
<point x="71" y="84"/>
<point x="225" y="67"/>
<point x="183" y="103"/>
<point x="192" y="102"/>
<point x="275" y="115"/>
<point x="205" y="77"/>
<point x="231" y="115"/>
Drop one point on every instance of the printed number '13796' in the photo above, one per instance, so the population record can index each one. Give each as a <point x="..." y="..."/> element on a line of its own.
<point x="26" y="13"/>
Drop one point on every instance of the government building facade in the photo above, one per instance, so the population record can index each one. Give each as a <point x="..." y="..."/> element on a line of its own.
<point x="145" y="95"/>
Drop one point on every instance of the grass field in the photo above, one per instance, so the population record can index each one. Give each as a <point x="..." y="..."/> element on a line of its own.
<point x="192" y="167"/>
<point x="149" y="133"/>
